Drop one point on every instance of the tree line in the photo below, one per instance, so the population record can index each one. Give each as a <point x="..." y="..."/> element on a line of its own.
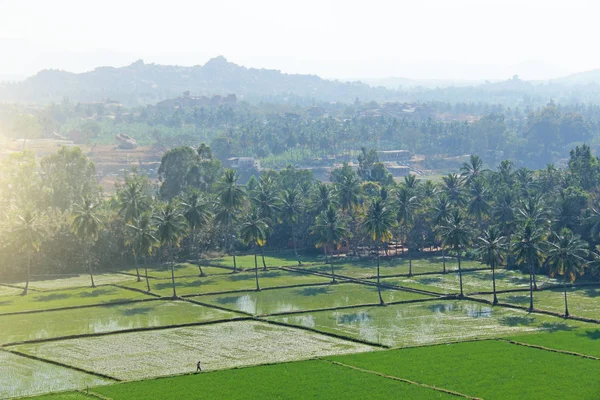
<point x="58" y="221"/>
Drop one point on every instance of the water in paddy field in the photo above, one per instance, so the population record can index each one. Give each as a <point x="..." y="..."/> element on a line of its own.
<point x="307" y="298"/>
<point x="20" y="376"/>
<point x="103" y="319"/>
<point x="422" y="323"/>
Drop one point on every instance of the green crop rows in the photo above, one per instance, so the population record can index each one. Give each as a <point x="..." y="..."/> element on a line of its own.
<point x="65" y="336"/>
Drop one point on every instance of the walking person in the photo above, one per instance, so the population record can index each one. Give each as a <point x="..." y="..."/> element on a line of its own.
<point x="198" y="367"/>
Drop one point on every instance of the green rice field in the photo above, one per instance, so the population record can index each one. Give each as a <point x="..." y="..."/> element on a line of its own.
<point x="583" y="341"/>
<point x="226" y="283"/>
<point x="473" y="282"/>
<point x="391" y="267"/>
<point x="186" y="270"/>
<point x="38" y="301"/>
<point x="489" y="370"/>
<point x="300" y="337"/>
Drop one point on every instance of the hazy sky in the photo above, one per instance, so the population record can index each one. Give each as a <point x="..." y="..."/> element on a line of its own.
<point x="456" y="39"/>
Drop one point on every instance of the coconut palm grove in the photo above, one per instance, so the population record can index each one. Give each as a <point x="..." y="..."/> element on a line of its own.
<point x="480" y="283"/>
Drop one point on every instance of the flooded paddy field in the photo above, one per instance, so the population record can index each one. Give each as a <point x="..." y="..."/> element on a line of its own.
<point x="21" y="376"/>
<point x="172" y="351"/>
<point x="108" y="318"/>
<point x="307" y="298"/>
<point x="425" y="323"/>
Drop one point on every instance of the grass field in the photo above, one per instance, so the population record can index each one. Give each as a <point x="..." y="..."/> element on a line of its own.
<point x="22" y="327"/>
<point x="280" y="260"/>
<point x="426" y="323"/>
<point x="172" y="351"/>
<point x="392" y="266"/>
<point x="583" y="341"/>
<point x="307" y="298"/>
<point x="489" y="369"/>
<point x="300" y="380"/>
<point x="477" y="281"/>
<point x="163" y="271"/>
<point x="224" y="283"/>
<point x="20" y="376"/>
<point x="583" y="301"/>
<point x="80" y="281"/>
<point x="255" y="357"/>
<point x="67" y="298"/>
<point x="9" y="291"/>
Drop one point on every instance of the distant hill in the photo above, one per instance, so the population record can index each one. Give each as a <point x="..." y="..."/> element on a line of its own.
<point x="141" y="83"/>
<point x="581" y="78"/>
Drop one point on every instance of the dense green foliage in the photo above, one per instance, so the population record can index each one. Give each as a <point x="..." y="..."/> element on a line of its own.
<point x="545" y="220"/>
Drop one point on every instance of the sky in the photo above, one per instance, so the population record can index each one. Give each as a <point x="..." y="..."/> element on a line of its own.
<point x="419" y="39"/>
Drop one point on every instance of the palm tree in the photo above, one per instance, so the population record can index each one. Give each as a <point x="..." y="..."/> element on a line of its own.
<point x="504" y="214"/>
<point x="322" y="197"/>
<point x="534" y="211"/>
<point x="330" y="230"/>
<point x="142" y="240"/>
<point x="478" y="203"/>
<point x="291" y="207"/>
<point x="378" y="224"/>
<point x="473" y="169"/>
<point x="170" y="225"/>
<point x="456" y="233"/>
<point x="254" y="231"/>
<point x="567" y="256"/>
<point x="86" y="225"/>
<point x="133" y="198"/>
<point x="266" y="200"/>
<point x="528" y="250"/>
<point x="440" y="211"/>
<point x="230" y="200"/>
<point x="407" y="203"/>
<point x="490" y="251"/>
<point x="197" y="213"/>
<point x="348" y="190"/>
<point x="28" y="235"/>
<point x="453" y="186"/>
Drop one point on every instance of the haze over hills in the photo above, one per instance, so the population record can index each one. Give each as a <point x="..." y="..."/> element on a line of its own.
<point x="141" y="83"/>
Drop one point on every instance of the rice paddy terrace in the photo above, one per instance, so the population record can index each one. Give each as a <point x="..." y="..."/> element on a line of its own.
<point x="301" y="336"/>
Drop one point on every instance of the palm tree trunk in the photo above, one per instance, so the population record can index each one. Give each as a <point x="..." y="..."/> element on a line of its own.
<point x="89" y="264"/>
<point x="234" y="264"/>
<point x="508" y="251"/>
<point x="173" y="275"/>
<point x="460" y="275"/>
<point x="256" y="269"/>
<point x="262" y="254"/>
<point x="197" y="253"/>
<point x="381" y="302"/>
<point x="137" y="270"/>
<point x="565" y="290"/>
<point x="530" y="287"/>
<point x="409" y="259"/>
<point x="295" y="244"/>
<point x="146" y="271"/>
<point x="331" y="265"/>
<point x="495" y="301"/>
<point x="444" y="258"/>
<point x="28" y="272"/>
<point x="533" y="274"/>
